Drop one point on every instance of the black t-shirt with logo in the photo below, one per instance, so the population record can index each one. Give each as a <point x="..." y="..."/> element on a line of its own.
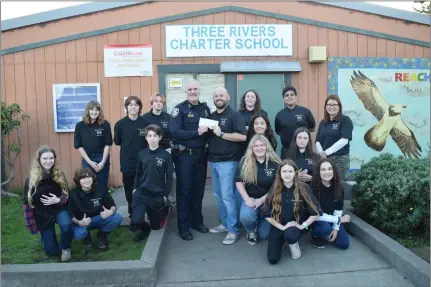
<point x="304" y="162"/>
<point x="162" y="121"/>
<point x="326" y="197"/>
<point x="265" y="178"/>
<point x="91" y="203"/>
<point x="92" y="137"/>
<point x="130" y="136"/>
<point x="332" y="131"/>
<point x="288" y="120"/>
<point x="154" y="173"/>
<point x="247" y="115"/>
<point x="221" y="150"/>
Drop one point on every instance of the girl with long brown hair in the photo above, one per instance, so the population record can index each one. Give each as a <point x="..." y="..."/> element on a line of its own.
<point x="45" y="203"/>
<point x="290" y="207"/>
<point x="250" y="106"/>
<point x="93" y="139"/>
<point x="328" y="189"/>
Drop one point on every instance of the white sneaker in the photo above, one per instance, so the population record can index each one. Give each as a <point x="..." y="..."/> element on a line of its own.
<point x="295" y="251"/>
<point x="218" y="229"/>
<point x="66" y="255"/>
<point x="230" y="238"/>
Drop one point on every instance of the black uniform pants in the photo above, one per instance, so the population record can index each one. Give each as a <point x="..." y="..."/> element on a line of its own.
<point x="191" y="173"/>
<point x="128" y="182"/>
<point x="276" y="240"/>
<point x="143" y="204"/>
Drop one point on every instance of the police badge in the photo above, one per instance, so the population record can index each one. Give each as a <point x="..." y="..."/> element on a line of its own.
<point x="175" y="112"/>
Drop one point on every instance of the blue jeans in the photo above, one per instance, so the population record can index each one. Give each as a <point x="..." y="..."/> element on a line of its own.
<point x="104" y="224"/>
<point x="238" y="201"/>
<point x="49" y="238"/>
<point x="322" y="229"/>
<point x="223" y="186"/>
<point x="251" y="218"/>
<point x="103" y="175"/>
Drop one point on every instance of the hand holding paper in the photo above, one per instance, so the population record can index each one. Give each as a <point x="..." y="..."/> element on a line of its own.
<point x="203" y="122"/>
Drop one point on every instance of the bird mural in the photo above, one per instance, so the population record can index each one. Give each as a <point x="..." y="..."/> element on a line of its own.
<point x="388" y="115"/>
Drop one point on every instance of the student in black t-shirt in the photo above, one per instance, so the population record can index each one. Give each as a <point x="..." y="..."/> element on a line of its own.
<point x="260" y="125"/>
<point x="250" y="106"/>
<point x="92" y="208"/>
<point x="93" y="139"/>
<point x="156" y="116"/>
<point x="45" y="203"/>
<point x="254" y="177"/>
<point x="153" y="183"/>
<point x="129" y="135"/>
<point x="334" y="135"/>
<point x="290" y="207"/>
<point x="291" y="118"/>
<point x="301" y="152"/>
<point x="329" y="192"/>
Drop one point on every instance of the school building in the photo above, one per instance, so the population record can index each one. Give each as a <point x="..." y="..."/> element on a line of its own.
<point x="241" y="45"/>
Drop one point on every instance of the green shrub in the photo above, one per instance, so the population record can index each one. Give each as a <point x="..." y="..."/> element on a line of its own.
<point x="393" y="194"/>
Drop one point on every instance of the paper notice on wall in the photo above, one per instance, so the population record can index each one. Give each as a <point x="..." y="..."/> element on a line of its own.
<point x="128" y="60"/>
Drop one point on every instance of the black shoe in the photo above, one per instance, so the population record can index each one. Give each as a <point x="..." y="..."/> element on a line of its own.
<point x="103" y="240"/>
<point x="139" y="236"/>
<point x="88" y="244"/>
<point x="200" y="228"/>
<point x="186" y="235"/>
<point x="317" y="242"/>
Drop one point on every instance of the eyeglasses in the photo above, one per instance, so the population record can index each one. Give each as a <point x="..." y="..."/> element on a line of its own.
<point x="332" y="105"/>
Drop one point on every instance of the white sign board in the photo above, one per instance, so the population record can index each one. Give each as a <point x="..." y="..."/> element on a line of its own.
<point x="228" y="40"/>
<point x="128" y="60"/>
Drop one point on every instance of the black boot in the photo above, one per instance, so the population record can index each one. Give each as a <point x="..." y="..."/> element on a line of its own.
<point x="88" y="243"/>
<point x="103" y="240"/>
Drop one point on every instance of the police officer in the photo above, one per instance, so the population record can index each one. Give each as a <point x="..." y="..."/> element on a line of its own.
<point x="189" y="156"/>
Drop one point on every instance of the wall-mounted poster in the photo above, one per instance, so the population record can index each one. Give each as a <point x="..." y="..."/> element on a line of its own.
<point x="69" y="101"/>
<point x="128" y="60"/>
<point x="388" y="100"/>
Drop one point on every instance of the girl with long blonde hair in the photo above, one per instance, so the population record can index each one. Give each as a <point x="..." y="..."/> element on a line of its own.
<point x="255" y="176"/>
<point x="290" y="207"/>
<point x="45" y="203"/>
<point x="93" y="139"/>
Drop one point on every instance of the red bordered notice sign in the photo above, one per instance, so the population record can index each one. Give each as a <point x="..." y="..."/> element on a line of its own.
<point x="128" y="60"/>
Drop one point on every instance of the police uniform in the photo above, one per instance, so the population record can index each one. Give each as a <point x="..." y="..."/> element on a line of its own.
<point x="189" y="156"/>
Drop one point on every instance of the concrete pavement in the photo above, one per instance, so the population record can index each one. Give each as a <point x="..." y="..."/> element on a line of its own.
<point x="205" y="261"/>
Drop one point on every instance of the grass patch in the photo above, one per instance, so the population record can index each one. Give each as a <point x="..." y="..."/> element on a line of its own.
<point x="19" y="246"/>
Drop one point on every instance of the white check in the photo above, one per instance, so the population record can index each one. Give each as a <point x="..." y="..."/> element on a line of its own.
<point x="207" y="123"/>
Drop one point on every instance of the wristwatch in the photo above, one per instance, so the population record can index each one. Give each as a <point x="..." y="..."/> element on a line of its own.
<point x="221" y="134"/>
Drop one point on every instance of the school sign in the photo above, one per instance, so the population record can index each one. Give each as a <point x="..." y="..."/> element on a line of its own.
<point x="228" y="40"/>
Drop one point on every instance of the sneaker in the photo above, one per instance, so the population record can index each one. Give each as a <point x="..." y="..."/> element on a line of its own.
<point x="103" y="240"/>
<point x="66" y="255"/>
<point x="295" y="251"/>
<point x="230" y="238"/>
<point x="317" y="242"/>
<point x="251" y="238"/>
<point x="218" y="229"/>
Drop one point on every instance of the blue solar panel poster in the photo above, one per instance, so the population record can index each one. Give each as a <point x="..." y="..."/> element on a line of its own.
<point x="70" y="101"/>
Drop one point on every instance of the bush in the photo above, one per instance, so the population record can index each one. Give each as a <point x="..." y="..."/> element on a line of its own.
<point x="393" y="194"/>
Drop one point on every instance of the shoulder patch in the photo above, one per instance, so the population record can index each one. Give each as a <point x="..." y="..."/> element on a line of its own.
<point x="175" y="112"/>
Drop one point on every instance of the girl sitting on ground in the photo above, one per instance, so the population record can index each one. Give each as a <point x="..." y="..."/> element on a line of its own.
<point x="92" y="208"/>
<point x="45" y="203"/>
<point x="328" y="189"/>
<point x="291" y="208"/>
<point x="254" y="178"/>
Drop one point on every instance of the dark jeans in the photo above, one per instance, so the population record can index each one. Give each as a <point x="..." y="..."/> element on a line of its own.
<point x="128" y="182"/>
<point x="322" y="229"/>
<point x="191" y="171"/>
<point x="154" y="207"/>
<point x="276" y="240"/>
<point x="104" y="224"/>
<point x="103" y="175"/>
<point x="49" y="238"/>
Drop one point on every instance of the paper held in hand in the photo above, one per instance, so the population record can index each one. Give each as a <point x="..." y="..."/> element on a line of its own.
<point x="208" y="123"/>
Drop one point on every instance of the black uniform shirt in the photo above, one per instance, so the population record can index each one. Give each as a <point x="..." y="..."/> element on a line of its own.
<point x="325" y="196"/>
<point x="184" y="123"/>
<point x="130" y="136"/>
<point x="92" y="137"/>
<point x="162" y="121"/>
<point x="288" y="120"/>
<point x="91" y="203"/>
<point x="265" y="179"/>
<point x="247" y="115"/>
<point x="220" y="150"/>
<point x="332" y="131"/>
<point x="304" y="162"/>
<point x="154" y="173"/>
